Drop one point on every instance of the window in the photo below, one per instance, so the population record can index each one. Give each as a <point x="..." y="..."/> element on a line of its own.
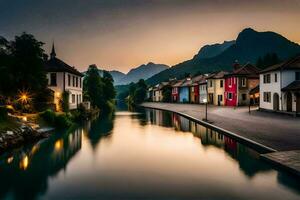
<point x="80" y="80"/>
<point x="73" y="98"/>
<point x="229" y="95"/>
<point x="244" y="97"/>
<point x="243" y="82"/>
<point x="69" y="80"/>
<point x="210" y="83"/>
<point x="192" y="89"/>
<point x="221" y="83"/>
<point x="275" y="77"/>
<point x="267" y="97"/>
<point x="76" y="81"/>
<point x="53" y="81"/>
<point x="230" y="82"/>
<point x="267" y="78"/>
<point x="79" y="101"/>
<point x="73" y="81"/>
<point x="297" y="74"/>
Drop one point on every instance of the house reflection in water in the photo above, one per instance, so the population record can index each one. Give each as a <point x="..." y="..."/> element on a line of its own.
<point x="247" y="158"/>
<point x="32" y="163"/>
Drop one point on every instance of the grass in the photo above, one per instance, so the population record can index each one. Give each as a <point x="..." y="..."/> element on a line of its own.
<point x="7" y="124"/>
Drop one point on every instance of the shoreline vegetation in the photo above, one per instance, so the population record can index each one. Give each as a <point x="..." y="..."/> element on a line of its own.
<point x="26" y="103"/>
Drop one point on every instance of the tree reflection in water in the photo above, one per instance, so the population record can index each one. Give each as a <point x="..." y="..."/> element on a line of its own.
<point x="36" y="163"/>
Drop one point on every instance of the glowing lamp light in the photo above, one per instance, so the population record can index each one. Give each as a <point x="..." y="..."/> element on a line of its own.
<point x="205" y="100"/>
<point x="24" y="97"/>
<point x="57" y="94"/>
<point x="10" y="159"/>
<point x="58" y="145"/>
<point x="24" y="119"/>
<point x="24" y="163"/>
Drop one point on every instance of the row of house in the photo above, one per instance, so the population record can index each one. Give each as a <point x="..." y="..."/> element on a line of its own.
<point x="219" y="88"/>
<point x="275" y="88"/>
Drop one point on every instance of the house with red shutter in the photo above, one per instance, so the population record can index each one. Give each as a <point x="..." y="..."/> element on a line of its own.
<point x="239" y="83"/>
<point x="175" y="90"/>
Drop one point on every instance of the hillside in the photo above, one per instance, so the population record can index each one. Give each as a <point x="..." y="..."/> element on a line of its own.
<point x="144" y="71"/>
<point x="249" y="45"/>
<point x="209" y="51"/>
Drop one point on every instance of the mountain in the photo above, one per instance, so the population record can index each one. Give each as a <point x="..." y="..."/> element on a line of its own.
<point x="144" y="71"/>
<point x="209" y="51"/>
<point x="248" y="47"/>
<point x="117" y="76"/>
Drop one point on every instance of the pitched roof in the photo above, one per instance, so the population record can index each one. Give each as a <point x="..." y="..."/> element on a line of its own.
<point x="217" y="75"/>
<point x="248" y="70"/>
<point x="187" y="82"/>
<point x="178" y="83"/>
<point x="293" y="63"/>
<point x="56" y="65"/>
<point x="199" y="79"/>
<point x="295" y="85"/>
<point x="254" y="90"/>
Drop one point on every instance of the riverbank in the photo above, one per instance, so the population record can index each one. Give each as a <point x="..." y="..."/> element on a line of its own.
<point x="20" y="133"/>
<point x="276" y="131"/>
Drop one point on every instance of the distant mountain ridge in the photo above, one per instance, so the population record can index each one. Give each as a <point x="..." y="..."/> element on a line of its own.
<point x="143" y="71"/>
<point x="248" y="47"/>
<point x="209" y="51"/>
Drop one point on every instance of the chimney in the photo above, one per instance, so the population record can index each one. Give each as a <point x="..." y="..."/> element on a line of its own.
<point x="236" y="65"/>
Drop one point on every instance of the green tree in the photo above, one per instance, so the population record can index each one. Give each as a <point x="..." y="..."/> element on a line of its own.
<point x="167" y="93"/>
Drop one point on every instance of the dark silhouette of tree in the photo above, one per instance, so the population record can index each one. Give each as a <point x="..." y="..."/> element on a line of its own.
<point x="267" y="60"/>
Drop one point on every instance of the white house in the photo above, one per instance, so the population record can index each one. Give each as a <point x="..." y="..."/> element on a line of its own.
<point x="62" y="77"/>
<point x="203" y="96"/>
<point x="280" y="86"/>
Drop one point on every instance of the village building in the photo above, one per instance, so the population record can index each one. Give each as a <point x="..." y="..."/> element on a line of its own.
<point x="216" y="88"/>
<point x="280" y="86"/>
<point x="184" y="91"/>
<point x="63" y="78"/>
<point x="203" y="90"/>
<point x="194" y="89"/>
<point x="239" y="83"/>
<point x="175" y="90"/>
<point x="158" y="91"/>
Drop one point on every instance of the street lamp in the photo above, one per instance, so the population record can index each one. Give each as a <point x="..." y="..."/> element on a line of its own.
<point x="206" y="101"/>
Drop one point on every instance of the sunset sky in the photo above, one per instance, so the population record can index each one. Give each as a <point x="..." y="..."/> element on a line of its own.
<point x="121" y="34"/>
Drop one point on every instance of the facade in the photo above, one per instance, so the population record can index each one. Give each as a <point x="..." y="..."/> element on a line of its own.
<point x="158" y="91"/>
<point x="175" y="91"/>
<point x="216" y="88"/>
<point x="202" y="92"/>
<point x="184" y="91"/>
<point x="238" y="85"/>
<point x="63" y="78"/>
<point x="280" y="86"/>
<point x="194" y="89"/>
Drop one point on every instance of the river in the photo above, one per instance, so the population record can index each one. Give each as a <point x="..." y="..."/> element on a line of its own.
<point x="146" y="154"/>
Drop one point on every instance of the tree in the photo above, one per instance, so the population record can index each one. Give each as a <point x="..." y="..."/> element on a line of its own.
<point x="267" y="60"/>
<point x="22" y="66"/>
<point x="99" y="90"/>
<point x="167" y="93"/>
<point x="94" y="86"/>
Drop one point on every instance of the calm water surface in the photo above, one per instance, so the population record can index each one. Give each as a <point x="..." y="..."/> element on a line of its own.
<point x="141" y="155"/>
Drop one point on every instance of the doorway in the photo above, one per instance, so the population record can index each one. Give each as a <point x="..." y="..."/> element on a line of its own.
<point x="276" y="102"/>
<point x="289" y="102"/>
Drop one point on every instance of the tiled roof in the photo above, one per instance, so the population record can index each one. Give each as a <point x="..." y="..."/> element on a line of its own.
<point x="56" y="65"/>
<point x="217" y="75"/>
<point x="247" y="70"/>
<point x="293" y="63"/>
<point x="292" y="86"/>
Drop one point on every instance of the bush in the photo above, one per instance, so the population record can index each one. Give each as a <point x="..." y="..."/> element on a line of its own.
<point x="57" y="120"/>
<point x="62" y="121"/>
<point x="49" y="116"/>
<point x="3" y="113"/>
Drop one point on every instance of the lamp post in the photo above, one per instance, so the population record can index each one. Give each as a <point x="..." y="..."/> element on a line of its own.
<point x="206" y="102"/>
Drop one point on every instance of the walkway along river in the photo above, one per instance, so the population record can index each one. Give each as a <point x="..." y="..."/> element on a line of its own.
<point x="144" y="154"/>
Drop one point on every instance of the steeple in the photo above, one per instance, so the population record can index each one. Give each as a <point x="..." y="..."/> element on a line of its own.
<point x="53" y="54"/>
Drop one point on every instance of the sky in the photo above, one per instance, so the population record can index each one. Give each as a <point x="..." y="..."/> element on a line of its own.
<point x="122" y="34"/>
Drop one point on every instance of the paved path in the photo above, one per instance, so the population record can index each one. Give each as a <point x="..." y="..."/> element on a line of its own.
<point x="290" y="160"/>
<point x="280" y="132"/>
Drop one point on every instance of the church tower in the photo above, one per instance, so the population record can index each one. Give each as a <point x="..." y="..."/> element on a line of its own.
<point x="52" y="54"/>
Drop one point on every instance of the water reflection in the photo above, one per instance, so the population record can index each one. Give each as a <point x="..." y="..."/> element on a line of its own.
<point x="145" y="154"/>
<point x="24" y="173"/>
